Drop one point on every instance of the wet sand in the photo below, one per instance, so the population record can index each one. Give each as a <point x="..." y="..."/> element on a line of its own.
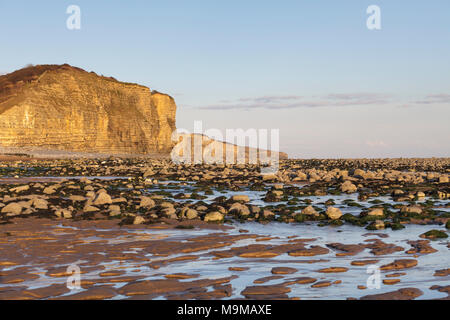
<point x="157" y="231"/>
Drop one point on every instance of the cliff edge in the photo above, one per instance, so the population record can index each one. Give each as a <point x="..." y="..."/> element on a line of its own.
<point x="60" y="107"/>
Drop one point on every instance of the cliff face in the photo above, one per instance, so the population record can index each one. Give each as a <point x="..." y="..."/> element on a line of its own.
<point x="65" y="108"/>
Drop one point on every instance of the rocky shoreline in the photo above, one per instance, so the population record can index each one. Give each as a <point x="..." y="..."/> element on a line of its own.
<point x="66" y="211"/>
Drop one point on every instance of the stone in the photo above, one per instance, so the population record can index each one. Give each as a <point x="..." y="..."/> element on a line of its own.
<point x="148" y="173"/>
<point x="75" y="198"/>
<point x="213" y="217"/>
<point x="12" y="208"/>
<point x="169" y="212"/>
<point x="443" y="195"/>
<point x="85" y="180"/>
<point x="348" y="187"/>
<point x="40" y="204"/>
<point x="434" y="234"/>
<point x="90" y="208"/>
<point x="114" y="210"/>
<point x="379" y="224"/>
<point x="146" y="202"/>
<point x="102" y="198"/>
<point x="239" y="209"/>
<point x="301" y="176"/>
<point x="333" y="213"/>
<point x="191" y="214"/>
<point x="20" y="189"/>
<point x="309" y="210"/>
<point x="243" y="198"/>
<point x="269" y="177"/>
<point x="166" y="205"/>
<point x="49" y="190"/>
<point x="358" y="173"/>
<point x="277" y="193"/>
<point x="267" y="213"/>
<point x="411" y="209"/>
<point x="119" y="200"/>
<point x="138" y="220"/>
<point x="63" y="213"/>
<point x="398" y="192"/>
<point x="378" y="212"/>
<point x="420" y="194"/>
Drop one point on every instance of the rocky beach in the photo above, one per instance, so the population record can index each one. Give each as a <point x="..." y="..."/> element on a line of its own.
<point x="141" y="228"/>
<point x="95" y="204"/>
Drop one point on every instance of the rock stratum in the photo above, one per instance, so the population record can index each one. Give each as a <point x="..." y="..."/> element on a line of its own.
<point x="60" y="107"/>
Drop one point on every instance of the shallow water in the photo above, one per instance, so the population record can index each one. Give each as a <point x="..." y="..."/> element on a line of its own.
<point x="421" y="276"/>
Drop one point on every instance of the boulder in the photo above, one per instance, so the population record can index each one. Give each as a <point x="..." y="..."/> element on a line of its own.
<point x="12" y="208"/>
<point x="90" y="208"/>
<point x="75" y="198"/>
<point x="63" y="213"/>
<point x="138" y="220"/>
<point x="268" y="214"/>
<point x="376" y="212"/>
<point x="114" y="210"/>
<point x="188" y="213"/>
<point x="420" y="194"/>
<point x="213" y="217"/>
<point x="40" y="204"/>
<point x="443" y="179"/>
<point x="379" y="224"/>
<point x="146" y="202"/>
<point x="49" y="190"/>
<point x="411" y="209"/>
<point x="20" y="189"/>
<point x="239" y="209"/>
<point x="241" y="197"/>
<point x="310" y="211"/>
<point x="348" y="187"/>
<point x="301" y="176"/>
<point x="333" y="213"/>
<point x="102" y="198"/>
<point x="169" y="212"/>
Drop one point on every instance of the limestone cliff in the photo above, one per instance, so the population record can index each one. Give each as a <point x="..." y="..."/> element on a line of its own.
<point x="59" y="107"/>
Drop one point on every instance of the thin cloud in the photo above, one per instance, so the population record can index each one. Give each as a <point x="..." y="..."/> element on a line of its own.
<point x="376" y="144"/>
<point x="441" y="98"/>
<point x="270" y="99"/>
<point x="292" y="102"/>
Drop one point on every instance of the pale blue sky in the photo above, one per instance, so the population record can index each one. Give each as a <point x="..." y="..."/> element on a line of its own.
<point x="310" y="68"/>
